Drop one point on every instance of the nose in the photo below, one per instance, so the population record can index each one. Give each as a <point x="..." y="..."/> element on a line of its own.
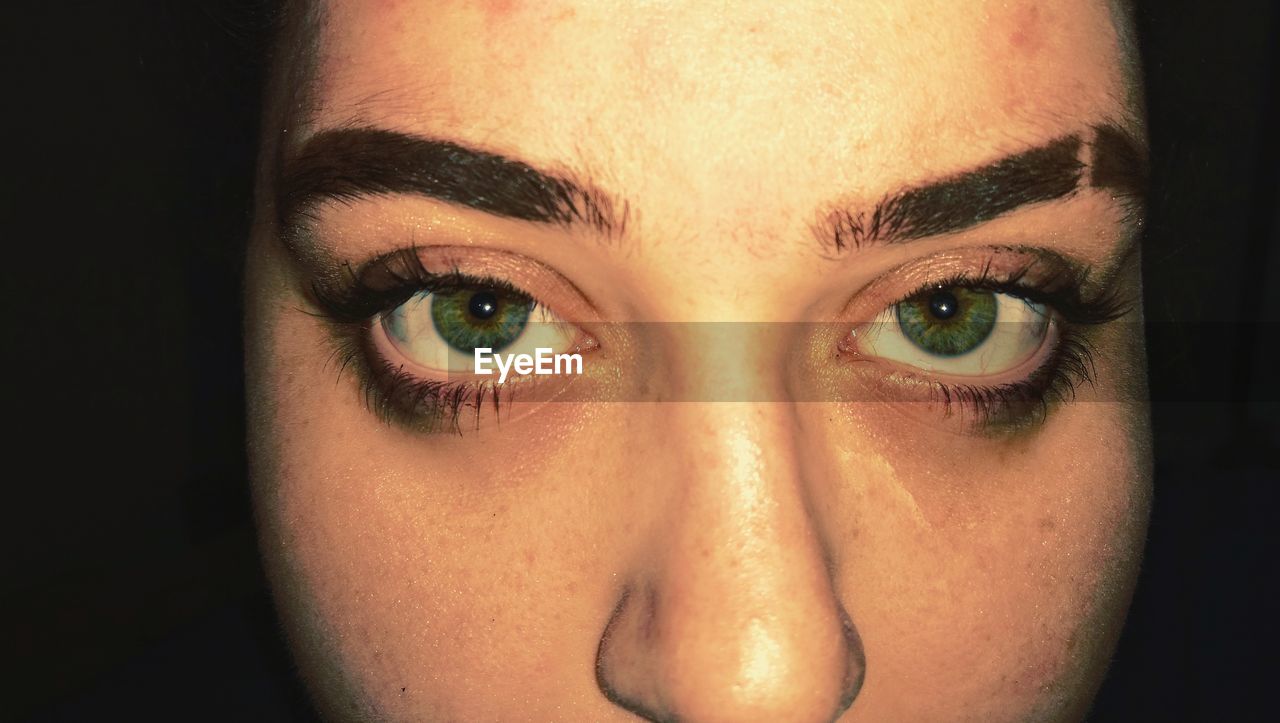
<point x="732" y="614"/>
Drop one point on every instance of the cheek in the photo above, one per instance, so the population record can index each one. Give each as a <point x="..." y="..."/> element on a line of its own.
<point x="467" y="578"/>
<point x="988" y="576"/>
<point x="428" y="576"/>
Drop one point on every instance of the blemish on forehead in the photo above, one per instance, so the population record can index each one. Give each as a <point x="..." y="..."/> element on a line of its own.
<point x="1045" y="59"/>
<point x="503" y="11"/>
<point x="389" y="8"/>
<point x="1025" y="34"/>
<point x="511" y="21"/>
<point x="500" y="9"/>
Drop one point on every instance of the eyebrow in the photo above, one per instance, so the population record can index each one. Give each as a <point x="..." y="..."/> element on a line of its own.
<point x="1047" y="173"/>
<point x="351" y="163"/>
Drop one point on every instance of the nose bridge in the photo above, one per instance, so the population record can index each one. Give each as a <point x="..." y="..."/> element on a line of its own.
<point x="735" y="616"/>
<point x="730" y="361"/>
<point x="743" y="493"/>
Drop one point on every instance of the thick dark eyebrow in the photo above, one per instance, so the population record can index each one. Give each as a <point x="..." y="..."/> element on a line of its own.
<point x="351" y="163"/>
<point x="955" y="203"/>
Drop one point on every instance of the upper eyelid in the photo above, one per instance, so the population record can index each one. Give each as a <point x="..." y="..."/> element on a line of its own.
<point x="1023" y="270"/>
<point x="461" y="281"/>
<point x="352" y="293"/>
<point x="454" y="281"/>
<point x="969" y="265"/>
<point x="1068" y="304"/>
<point x="320" y="242"/>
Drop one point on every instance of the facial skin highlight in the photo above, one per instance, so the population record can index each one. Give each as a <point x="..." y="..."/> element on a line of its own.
<point x="836" y="547"/>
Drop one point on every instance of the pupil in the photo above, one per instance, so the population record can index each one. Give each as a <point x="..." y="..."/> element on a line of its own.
<point x="943" y="305"/>
<point x="483" y="305"/>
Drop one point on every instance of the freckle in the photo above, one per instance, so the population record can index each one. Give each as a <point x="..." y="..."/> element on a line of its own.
<point x="1047" y="524"/>
<point x="780" y="58"/>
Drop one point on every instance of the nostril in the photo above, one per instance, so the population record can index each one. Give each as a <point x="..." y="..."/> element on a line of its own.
<point x="857" y="662"/>
<point x="621" y="669"/>
<point x="658" y="673"/>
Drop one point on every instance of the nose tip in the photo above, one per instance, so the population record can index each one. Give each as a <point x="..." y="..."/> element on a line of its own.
<point x="770" y="666"/>
<point x="731" y="611"/>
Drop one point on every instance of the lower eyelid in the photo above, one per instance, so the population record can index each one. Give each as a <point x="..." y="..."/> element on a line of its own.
<point x="430" y="400"/>
<point x="379" y="349"/>
<point x="1034" y="361"/>
<point x="1032" y="384"/>
<point x="850" y="345"/>
<point x="382" y="346"/>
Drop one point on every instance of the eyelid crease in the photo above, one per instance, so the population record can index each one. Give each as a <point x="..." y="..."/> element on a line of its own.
<point x="1081" y="293"/>
<point x="1063" y="291"/>
<point x="390" y="280"/>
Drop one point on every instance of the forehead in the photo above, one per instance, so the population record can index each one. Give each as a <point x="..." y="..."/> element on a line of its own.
<point x="854" y="97"/>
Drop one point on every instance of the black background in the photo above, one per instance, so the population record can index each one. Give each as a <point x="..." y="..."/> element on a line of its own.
<point x="131" y="586"/>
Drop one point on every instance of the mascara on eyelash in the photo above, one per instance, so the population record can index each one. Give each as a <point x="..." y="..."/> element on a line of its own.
<point x="355" y="300"/>
<point x="1062" y="289"/>
<point x="352" y="300"/>
<point x="1020" y="405"/>
<point x="353" y="296"/>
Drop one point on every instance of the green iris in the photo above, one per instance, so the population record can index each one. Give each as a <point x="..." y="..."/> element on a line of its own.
<point x="948" y="322"/>
<point x="468" y="319"/>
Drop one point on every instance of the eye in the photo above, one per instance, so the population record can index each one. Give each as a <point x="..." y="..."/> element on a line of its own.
<point x="958" y="331"/>
<point x="440" y="330"/>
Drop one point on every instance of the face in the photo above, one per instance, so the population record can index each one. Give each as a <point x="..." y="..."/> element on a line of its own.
<point x="859" y="429"/>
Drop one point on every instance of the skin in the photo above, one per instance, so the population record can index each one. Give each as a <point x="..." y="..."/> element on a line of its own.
<point x="775" y="561"/>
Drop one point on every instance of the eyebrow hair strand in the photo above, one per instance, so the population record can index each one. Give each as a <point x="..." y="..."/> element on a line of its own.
<point x="350" y="163"/>
<point x="968" y="199"/>
<point x="1118" y="161"/>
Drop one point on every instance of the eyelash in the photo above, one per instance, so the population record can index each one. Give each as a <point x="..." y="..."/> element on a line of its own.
<point x="1016" y="405"/>
<point x="352" y="302"/>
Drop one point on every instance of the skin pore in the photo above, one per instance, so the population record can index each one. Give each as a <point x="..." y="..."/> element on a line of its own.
<point x="823" y="541"/>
